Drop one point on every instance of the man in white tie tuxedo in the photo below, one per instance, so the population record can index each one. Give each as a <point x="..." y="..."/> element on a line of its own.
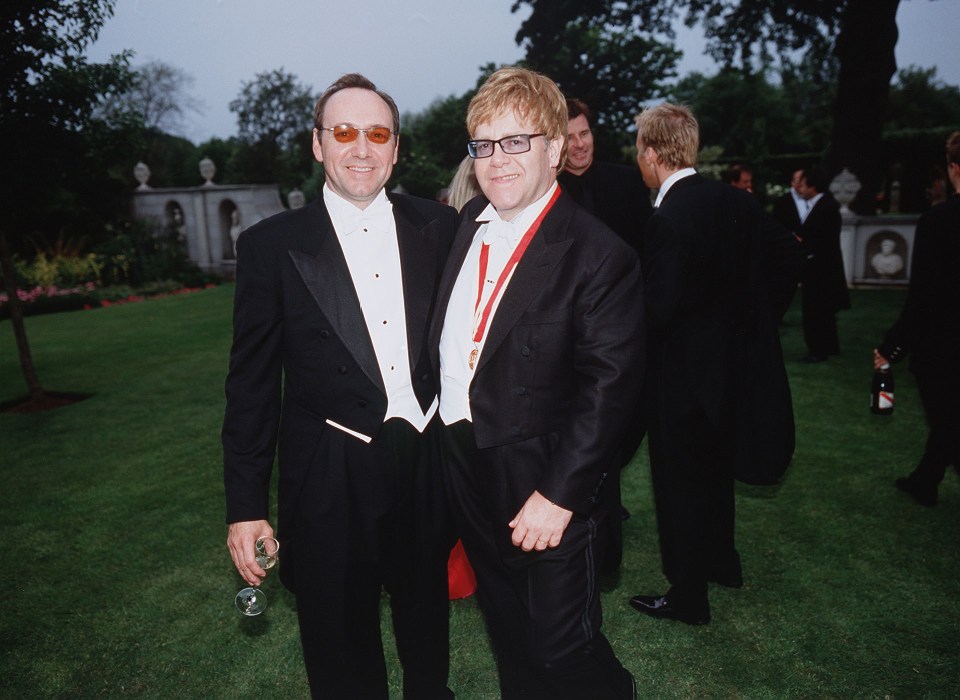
<point x="329" y="370"/>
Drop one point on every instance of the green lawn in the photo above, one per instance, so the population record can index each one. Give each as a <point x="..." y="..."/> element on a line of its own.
<point x="118" y="581"/>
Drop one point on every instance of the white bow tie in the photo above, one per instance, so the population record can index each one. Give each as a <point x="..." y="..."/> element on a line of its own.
<point x="362" y="221"/>
<point x="500" y="230"/>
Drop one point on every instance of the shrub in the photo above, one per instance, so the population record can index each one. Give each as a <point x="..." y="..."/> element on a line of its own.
<point x="139" y="253"/>
<point x="58" y="270"/>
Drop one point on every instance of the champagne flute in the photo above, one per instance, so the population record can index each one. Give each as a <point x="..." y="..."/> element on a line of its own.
<point x="251" y="601"/>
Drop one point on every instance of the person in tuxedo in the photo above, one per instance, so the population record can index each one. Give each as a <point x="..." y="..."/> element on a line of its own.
<point x="613" y="193"/>
<point x="782" y="256"/>
<point x="929" y="330"/>
<point x="329" y="369"/>
<point x="616" y="195"/>
<point x="739" y="176"/>
<point x="790" y="209"/>
<point x="823" y="290"/>
<point x="539" y="350"/>
<point x="702" y="288"/>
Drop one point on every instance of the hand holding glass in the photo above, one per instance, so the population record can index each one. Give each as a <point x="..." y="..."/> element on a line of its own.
<point x="251" y="601"/>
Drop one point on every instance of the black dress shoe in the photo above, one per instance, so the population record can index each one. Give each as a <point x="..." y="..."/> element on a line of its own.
<point x="661" y="607"/>
<point x="924" y="495"/>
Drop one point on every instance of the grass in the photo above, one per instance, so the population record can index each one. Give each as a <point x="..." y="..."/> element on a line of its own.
<point x="118" y="582"/>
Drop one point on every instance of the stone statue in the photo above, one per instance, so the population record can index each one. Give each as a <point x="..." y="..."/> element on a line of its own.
<point x="296" y="198"/>
<point x="235" y="229"/>
<point x="887" y="263"/>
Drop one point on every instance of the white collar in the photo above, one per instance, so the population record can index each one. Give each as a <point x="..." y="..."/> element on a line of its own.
<point x="347" y="217"/>
<point x="522" y="220"/>
<point x="670" y="181"/>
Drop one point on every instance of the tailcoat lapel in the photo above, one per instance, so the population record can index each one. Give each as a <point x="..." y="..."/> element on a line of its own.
<point x="546" y="249"/>
<point x="324" y="270"/>
<point x="534" y="269"/>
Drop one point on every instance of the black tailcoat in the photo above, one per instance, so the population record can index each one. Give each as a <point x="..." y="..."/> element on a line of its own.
<point x="302" y="356"/>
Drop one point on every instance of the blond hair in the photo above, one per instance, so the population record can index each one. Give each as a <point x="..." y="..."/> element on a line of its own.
<point x="672" y="131"/>
<point x="533" y="98"/>
<point x="464" y="185"/>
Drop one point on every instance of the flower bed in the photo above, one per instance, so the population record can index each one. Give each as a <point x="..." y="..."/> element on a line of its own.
<point x="46" y="300"/>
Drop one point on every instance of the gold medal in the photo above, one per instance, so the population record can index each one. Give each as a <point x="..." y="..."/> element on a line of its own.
<point x="472" y="360"/>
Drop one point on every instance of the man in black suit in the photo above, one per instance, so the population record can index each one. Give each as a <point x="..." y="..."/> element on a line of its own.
<point x="540" y="358"/>
<point x="929" y="330"/>
<point x="616" y="195"/>
<point x="823" y="290"/>
<point x="613" y="193"/>
<point x="739" y="176"/>
<point x="330" y="369"/>
<point x="701" y="288"/>
<point x="791" y="208"/>
<point x="781" y="257"/>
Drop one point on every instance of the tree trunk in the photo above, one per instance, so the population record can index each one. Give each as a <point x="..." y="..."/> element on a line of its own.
<point x="16" y="319"/>
<point x="865" y="48"/>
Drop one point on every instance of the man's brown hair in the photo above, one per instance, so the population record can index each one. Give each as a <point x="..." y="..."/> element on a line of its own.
<point x="353" y="80"/>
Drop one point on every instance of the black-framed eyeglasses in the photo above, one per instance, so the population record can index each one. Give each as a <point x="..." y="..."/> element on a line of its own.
<point x="344" y="133"/>
<point x="511" y="145"/>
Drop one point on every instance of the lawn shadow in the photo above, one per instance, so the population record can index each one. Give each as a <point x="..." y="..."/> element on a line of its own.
<point x="47" y="401"/>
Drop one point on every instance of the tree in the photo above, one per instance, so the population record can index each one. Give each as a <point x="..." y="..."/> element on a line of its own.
<point x="274" y="117"/>
<point x="923" y="111"/>
<point x="434" y="141"/>
<point x="746" y="135"/>
<point x="47" y="127"/>
<point x="159" y="95"/>
<point x="859" y="34"/>
<point x="919" y="100"/>
<point x="432" y="144"/>
<point x="865" y="50"/>
<point x="599" y="56"/>
<point x="785" y="127"/>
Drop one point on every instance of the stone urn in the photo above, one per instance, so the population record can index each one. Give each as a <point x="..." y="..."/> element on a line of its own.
<point x="844" y="188"/>
<point x="142" y="173"/>
<point x="207" y="170"/>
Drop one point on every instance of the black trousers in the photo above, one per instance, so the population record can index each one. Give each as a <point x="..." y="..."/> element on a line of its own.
<point x="819" y="322"/>
<point x="939" y="396"/>
<point x="373" y="517"/>
<point x="542" y="608"/>
<point x="692" y="469"/>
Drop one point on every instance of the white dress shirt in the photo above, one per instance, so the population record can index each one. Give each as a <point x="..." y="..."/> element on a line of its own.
<point x="368" y="238"/>
<point x="463" y="313"/>
<point x="669" y="182"/>
<point x="811" y="203"/>
<point x="802" y="205"/>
